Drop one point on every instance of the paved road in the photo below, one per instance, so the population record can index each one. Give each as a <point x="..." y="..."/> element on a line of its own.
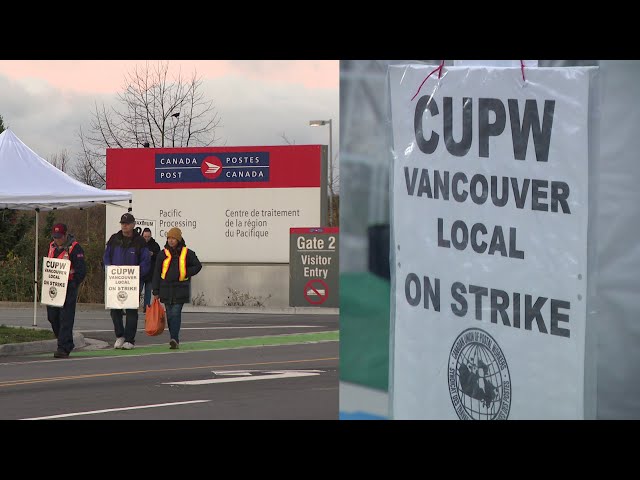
<point x="97" y="324"/>
<point x="289" y="381"/>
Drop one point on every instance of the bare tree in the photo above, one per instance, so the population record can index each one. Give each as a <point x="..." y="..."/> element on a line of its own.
<point x="84" y="171"/>
<point x="286" y="140"/>
<point x="81" y="170"/>
<point x="153" y="111"/>
<point x="60" y="160"/>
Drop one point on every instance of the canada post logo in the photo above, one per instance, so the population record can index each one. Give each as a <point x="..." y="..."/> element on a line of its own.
<point x="212" y="167"/>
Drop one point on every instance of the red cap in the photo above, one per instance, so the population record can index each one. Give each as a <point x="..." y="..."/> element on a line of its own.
<point x="59" y="230"/>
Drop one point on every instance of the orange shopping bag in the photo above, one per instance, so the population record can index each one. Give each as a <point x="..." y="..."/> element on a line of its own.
<point x="155" y="318"/>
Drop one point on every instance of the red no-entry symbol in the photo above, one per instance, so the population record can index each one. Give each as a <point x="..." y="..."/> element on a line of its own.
<point x="316" y="291"/>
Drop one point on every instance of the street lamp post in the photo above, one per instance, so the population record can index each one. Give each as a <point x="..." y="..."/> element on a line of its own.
<point x="175" y="120"/>
<point x="318" y="123"/>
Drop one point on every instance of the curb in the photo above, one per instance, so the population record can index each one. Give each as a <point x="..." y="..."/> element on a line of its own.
<point x="43" y="346"/>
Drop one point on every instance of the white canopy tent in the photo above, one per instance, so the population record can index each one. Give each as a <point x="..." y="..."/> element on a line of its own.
<point x="29" y="182"/>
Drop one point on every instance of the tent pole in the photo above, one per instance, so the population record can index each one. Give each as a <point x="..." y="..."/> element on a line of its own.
<point x="35" y="273"/>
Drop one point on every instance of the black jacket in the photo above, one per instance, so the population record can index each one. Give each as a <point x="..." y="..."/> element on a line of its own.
<point x="171" y="289"/>
<point x="153" y="248"/>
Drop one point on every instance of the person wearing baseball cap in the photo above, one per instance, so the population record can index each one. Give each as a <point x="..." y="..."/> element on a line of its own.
<point x="127" y="247"/>
<point x="65" y="246"/>
<point x="127" y="218"/>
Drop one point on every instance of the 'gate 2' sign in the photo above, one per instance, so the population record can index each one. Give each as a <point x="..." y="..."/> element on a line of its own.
<point x="313" y="267"/>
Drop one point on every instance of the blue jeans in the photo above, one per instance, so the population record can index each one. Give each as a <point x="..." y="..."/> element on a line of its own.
<point x="147" y="295"/>
<point x="174" y="319"/>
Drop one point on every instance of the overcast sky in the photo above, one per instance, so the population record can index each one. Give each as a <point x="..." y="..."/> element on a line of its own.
<point x="45" y="102"/>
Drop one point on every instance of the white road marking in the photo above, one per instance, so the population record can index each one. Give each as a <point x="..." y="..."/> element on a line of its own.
<point x="233" y="372"/>
<point x="270" y="375"/>
<point x="94" y="412"/>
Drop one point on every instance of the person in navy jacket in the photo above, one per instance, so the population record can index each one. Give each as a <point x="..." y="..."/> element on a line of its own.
<point x="127" y="247"/>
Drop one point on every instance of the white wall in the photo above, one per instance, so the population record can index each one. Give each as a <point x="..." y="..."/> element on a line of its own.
<point x="256" y="280"/>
